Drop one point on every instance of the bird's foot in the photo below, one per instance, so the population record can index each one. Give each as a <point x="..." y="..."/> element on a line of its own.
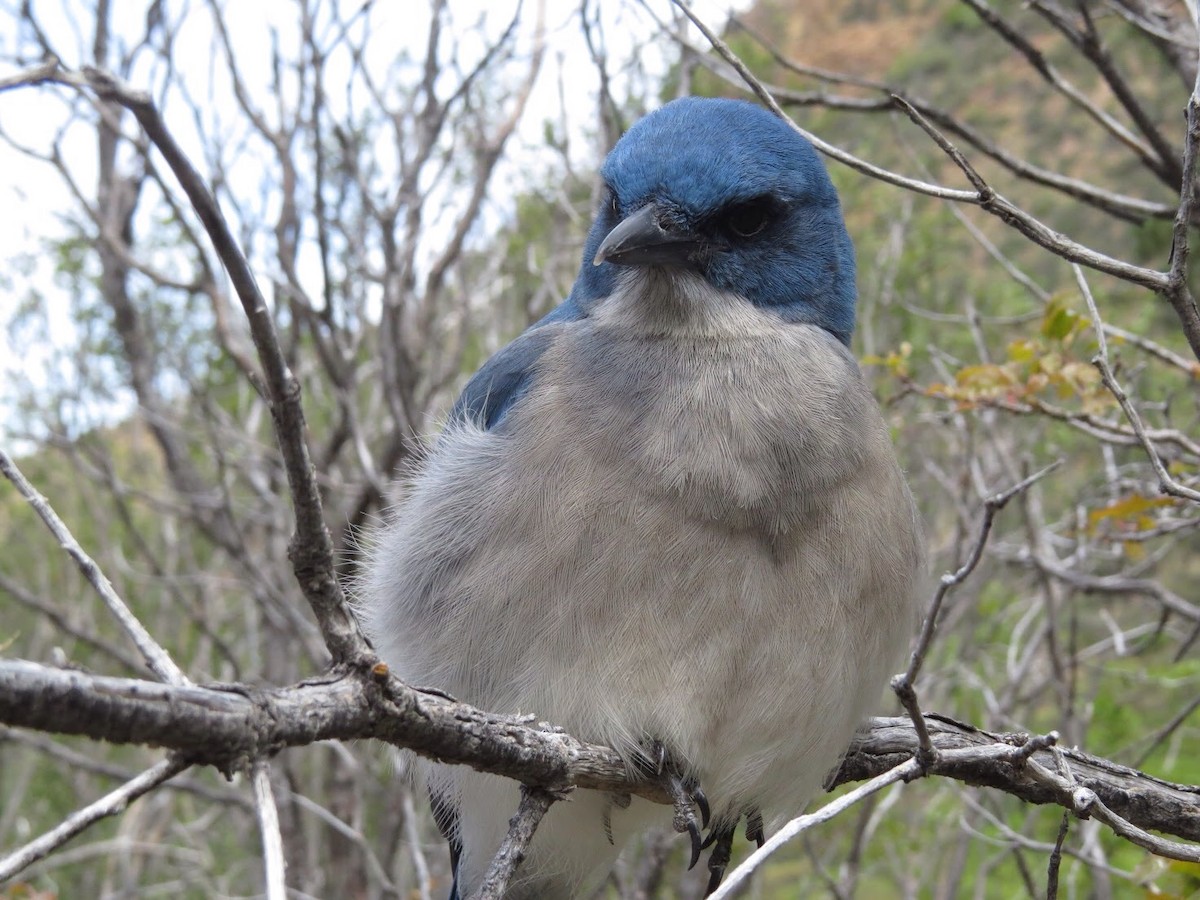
<point x="685" y="793"/>
<point x="685" y="819"/>
<point x="620" y="801"/>
<point x="754" y="827"/>
<point x="721" y="839"/>
<point x="687" y="797"/>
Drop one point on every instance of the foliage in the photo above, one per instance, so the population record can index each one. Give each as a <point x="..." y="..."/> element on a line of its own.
<point x="390" y="287"/>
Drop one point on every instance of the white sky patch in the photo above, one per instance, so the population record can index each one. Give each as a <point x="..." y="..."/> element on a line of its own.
<point x="35" y="199"/>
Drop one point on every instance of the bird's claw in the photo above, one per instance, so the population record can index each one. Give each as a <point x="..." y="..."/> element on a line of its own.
<point x="694" y="833"/>
<point x="700" y="800"/>
<point x="722" y="840"/>
<point x="754" y="827"/>
<point x="685" y="819"/>
<point x="684" y="791"/>
<point x="654" y="758"/>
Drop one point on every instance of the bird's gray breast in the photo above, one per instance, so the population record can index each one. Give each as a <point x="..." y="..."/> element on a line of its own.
<point x="747" y="432"/>
<point x="665" y="530"/>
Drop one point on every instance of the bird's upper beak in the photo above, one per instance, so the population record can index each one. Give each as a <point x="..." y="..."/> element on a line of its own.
<point x="641" y="239"/>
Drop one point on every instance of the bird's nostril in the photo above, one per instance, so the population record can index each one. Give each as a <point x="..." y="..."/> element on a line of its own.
<point x="670" y="220"/>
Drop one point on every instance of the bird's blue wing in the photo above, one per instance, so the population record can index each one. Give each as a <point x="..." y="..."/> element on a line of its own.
<point x="506" y="377"/>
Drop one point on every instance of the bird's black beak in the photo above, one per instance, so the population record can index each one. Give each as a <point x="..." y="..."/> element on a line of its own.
<point x="642" y="239"/>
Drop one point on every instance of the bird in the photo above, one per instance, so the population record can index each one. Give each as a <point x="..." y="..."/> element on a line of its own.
<point x="668" y="517"/>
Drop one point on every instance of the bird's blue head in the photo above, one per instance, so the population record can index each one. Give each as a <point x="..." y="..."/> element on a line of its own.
<point x="727" y="190"/>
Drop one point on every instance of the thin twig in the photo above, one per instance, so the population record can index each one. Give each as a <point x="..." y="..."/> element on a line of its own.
<point x="42" y="73"/>
<point x="984" y="190"/>
<point x="413" y="839"/>
<point x="1177" y="292"/>
<point x="157" y="658"/>
<point x="109" y="805"/>
<point x="1085" y="803"/>
<point x="89" y="762"/>
<point x="1166" y="731"/>
<point x="994" y="203"/>
<point x="377" y="870"/>
<point x="1052" y="77"/>
<point x="521" y="827"/>
<point x="60" y="621"/>
<point x="906" y="771"/>
<point x="268" y="826"/>
<point x="1090" y="43"/>
<point x="1056" y="858"/>
<point x="904" y="684"/>
<point x="1166" y="483"/>
<point x="1189" y="367"/>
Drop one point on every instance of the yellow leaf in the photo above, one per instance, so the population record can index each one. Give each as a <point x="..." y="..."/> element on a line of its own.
<point x="1023" y="351"/>
<point x="1132" y="509"/>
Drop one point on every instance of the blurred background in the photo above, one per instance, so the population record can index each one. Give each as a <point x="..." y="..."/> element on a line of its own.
<point x="412" y="183"/>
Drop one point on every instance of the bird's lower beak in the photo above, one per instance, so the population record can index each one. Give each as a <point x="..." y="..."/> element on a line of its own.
<point x="641" y="240"/>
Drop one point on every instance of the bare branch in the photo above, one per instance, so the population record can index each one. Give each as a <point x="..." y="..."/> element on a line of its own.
<point x="1056" y="859"/>
<point x="1085" y="803"/>
<point x="1166" y="483"/>
<point x="60" y="621"/>
<point x="1176" y="290"/>
<point x="110" y="804"/>
<point x="231" y="725"/>
<point x="311" y="550"/>
<point x="906" y="771"/>
<point x="43" y="73"/>
<point x="90" y="763"/>
<point x="362" y="842"/>
<point x="268" y="824"/>
<point x="157" y="658"/>
<point x="1087" y="39"/>
<point x="1055" y="79"/>
<point x="904" y="684"/>
<point x="521" y="827"/>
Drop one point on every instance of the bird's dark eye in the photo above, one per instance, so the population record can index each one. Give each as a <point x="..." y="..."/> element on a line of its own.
<point x="749" y="218"/>
<point x="614" y="204"/>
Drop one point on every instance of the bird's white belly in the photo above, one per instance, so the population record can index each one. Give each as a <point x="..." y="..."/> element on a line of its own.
<point x="624" y="622"/>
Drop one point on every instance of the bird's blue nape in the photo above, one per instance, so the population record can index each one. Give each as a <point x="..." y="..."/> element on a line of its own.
<point x="703" y="161"/>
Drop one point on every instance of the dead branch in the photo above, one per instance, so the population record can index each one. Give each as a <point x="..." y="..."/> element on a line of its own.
<point x="228" y="725"/>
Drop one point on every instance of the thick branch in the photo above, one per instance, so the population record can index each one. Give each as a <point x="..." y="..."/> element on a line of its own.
<point x="230" y="725"/>
<point x="1135" y="796"/>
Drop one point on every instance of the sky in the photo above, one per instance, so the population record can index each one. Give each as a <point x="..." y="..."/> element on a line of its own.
<point x="35" y="198"/>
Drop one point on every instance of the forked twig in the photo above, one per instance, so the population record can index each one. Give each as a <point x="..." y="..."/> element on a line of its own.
<point x="904" y="684"/>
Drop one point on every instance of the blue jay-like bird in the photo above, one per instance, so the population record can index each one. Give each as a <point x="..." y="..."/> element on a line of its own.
<point x="668" y="517"/>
